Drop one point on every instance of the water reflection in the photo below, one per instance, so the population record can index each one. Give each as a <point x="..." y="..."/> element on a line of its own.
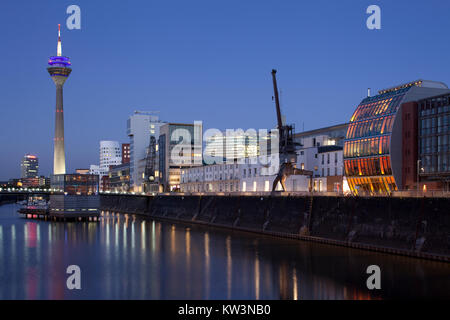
<point x="143" y="236"/>
<point x="256" y="275"/>
<point x="229" y="267"/>
<point x="207" y="278"/>
<point x="294" y="284"/>
<point x="125" y="257"/>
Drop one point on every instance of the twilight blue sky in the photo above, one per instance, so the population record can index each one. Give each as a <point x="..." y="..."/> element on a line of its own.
<point x="203" y="60"/>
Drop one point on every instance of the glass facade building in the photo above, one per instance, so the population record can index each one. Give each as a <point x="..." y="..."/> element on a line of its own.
<point x="366" y="150"/>
<point x="80" y="198"/>
<point x="76" y="184"/>
<point x="434" y="138"/>
<point x="119" y="177"/>
<point x="373" y="144"/>
<point x="180" y="146"/>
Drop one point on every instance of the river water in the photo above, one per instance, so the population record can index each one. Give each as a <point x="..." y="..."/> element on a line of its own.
<point x="128" y="257"/>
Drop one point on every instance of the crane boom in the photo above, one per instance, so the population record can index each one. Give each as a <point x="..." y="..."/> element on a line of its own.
<point x="277" y="99"/>
<point x="287" y="151"/>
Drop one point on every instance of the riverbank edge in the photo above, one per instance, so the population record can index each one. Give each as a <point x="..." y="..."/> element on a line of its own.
<point x="283" y="235"/>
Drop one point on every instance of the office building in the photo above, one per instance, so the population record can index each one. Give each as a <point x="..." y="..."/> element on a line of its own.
<point x="105" y="183"/>
<point x="119" y="178"/>
<point x="224" y="147"/>
<point x="80" y="196"/>
<point x="140" y="127"/>
<point x="150" y="167"/>
<point x="331" y="169"/>
<point x="44" y="182"/>
<point x="374" y="154"/>
<point x="30" y="182"/>
<point x="110" y="154"/>
<point x="29" y="166"/>
<point x="246" y="176"/>
<point x="433" y="148"/>
<point x="319" y="151"/>
<point x="179" y="146"/>
<point x="211" y="178"/>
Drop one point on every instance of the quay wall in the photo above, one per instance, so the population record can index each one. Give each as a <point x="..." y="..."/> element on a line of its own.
<point x="408" y="226"/>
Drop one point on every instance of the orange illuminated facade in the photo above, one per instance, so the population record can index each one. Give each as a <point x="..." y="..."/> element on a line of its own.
<point x="373" y="158"/>
<point x="367" y="158"/>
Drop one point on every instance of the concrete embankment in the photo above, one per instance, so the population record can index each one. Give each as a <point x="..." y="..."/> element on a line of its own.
<point x="417" y="227"/>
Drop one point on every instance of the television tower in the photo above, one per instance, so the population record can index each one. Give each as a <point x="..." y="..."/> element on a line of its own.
<point x="59" y="71"/>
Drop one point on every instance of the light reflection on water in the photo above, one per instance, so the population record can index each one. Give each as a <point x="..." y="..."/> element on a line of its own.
<point x="127" y="257"/>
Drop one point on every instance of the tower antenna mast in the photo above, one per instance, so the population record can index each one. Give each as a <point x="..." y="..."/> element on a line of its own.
<point x="59" y="49"/>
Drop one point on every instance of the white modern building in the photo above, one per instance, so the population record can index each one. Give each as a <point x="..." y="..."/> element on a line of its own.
<point x="320" y="151"/>
<point x="211" y="178"/>
<point x="251" y="175"/>
<point x="140" y="127"/>
<point x="257" y="177"/>
<point x="110" y="154"/>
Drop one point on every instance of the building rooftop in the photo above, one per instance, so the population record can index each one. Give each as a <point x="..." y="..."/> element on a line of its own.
<point x="417" y="83"/>
<point x="336" y="127"/>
